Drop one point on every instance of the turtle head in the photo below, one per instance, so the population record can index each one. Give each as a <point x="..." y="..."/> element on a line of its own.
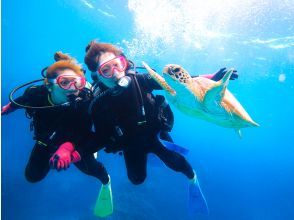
<point x="177" y="73"/>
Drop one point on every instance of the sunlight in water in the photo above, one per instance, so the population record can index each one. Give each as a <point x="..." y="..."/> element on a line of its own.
<point x="196" y="23"/>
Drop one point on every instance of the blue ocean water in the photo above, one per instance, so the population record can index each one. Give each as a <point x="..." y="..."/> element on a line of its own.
<point x="246" y="179"/>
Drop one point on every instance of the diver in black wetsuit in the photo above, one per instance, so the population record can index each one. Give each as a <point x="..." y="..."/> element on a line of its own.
<point x="61" y="125"/>
<point x="129" y="118"/>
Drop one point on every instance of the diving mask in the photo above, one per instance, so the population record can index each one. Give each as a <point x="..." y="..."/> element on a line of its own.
<point x="107" y="68"/>
<point x="69" y="82"/>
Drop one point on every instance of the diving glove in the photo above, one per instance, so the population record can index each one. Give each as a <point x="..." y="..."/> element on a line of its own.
<point x="6" y="109"/>
<point x="64" y="156"/>
<point x="220" y="74"/>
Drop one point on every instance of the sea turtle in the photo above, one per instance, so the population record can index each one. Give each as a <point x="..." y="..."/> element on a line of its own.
<point x="203" y="98"/>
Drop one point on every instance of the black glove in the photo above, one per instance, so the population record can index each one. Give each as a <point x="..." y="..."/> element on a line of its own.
<point x="219" y="74"/>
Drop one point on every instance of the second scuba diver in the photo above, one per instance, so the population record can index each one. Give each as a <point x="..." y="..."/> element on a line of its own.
<point x="61" y="124"/>
<point x="127" y="117"/>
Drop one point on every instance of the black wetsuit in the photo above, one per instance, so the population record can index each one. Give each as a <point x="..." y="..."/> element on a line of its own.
<point x="54" y="126"/>
<point x="118" y="122"/>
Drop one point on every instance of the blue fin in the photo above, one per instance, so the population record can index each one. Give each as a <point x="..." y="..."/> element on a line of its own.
<point x="174" y="147"/>
<point x="156" y="162"/>
<point x="197" y="201"/>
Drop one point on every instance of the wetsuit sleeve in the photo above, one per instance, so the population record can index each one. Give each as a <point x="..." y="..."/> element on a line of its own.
<point x="148" y="82"/>
<point x="29" y="97"/>
<point x="104" y="124"/>
<point x="79" y="137"/>
<point x="78" y="130"/>
<point x="103" y="128"/>
<point x="88" y="141"/>
<point x="23" y="100"/>
<point x="89" y="145"/>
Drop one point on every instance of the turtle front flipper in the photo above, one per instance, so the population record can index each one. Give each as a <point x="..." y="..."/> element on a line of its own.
<point x="159" y="79"/>
<point x="214" y="96"/>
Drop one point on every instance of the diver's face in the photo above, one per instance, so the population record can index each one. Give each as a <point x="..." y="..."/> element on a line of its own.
<point x="108" y="61"/>
<point x="59" y="94"/>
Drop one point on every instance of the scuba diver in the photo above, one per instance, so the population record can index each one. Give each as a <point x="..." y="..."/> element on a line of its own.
<point x="128" y="118"/>
<point x="61" y="125"/>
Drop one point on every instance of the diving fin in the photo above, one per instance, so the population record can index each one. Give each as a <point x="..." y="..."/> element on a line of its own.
<point x="154" y="161"/>
<point x="104" y="203"/>
<point x="197" y="201"/>
<point x="172" y="146"/>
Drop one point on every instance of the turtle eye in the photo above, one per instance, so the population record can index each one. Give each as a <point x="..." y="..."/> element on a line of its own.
<point x="171" y="71"/>
<point x="177" y="69"/>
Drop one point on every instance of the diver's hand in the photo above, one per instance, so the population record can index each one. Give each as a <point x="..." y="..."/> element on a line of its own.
<point x="75" y="157"/>
<point x="6" y="109"/>
<point x="220" y="74"/>
<point x="64" y="156"/>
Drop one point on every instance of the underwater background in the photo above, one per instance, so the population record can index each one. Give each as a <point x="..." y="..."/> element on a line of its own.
<point x="251" y="178"/>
